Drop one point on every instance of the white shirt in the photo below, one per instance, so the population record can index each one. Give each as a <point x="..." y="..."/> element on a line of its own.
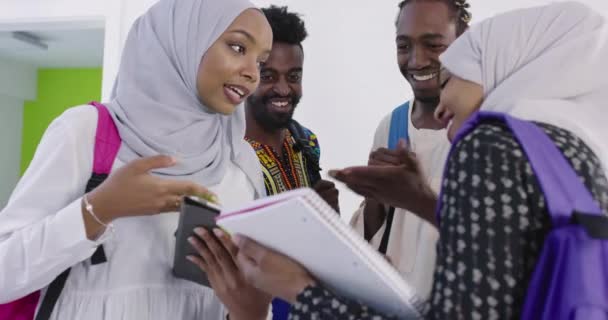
<point x="412" y="242"/>
<point x="42" y="233"/>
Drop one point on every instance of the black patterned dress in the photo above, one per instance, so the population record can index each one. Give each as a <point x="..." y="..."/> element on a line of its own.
<point x="493" y="225"/>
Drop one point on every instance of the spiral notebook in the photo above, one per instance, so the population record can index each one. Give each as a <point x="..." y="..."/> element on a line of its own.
<point x="302" y="226"/>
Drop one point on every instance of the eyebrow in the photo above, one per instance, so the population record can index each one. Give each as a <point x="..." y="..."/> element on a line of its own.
<point x="426" y="36"/>
<point x="244" y="33"/>
<point x="288" y="71"/>
<point x="249" y="37"/>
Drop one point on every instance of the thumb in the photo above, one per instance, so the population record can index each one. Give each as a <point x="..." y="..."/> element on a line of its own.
<point x="147" y="164"/>
<point x="402" y="144"/>
<point x="339" y="175"/>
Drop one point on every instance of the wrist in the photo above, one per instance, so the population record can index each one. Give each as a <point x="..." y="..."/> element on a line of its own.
<point x="99" y="205"/>
<point x="426" y="207"/>
<point x="235" y="316"/>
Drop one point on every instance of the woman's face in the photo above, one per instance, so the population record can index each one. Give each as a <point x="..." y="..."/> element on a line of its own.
<point x="229" y="70"/>
<point x="459" y="99"/>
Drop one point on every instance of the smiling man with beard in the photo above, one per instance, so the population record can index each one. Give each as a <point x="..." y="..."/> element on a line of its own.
<point x="289" y="153"/>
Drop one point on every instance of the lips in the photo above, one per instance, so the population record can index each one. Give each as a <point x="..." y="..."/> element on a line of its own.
<point x="235" y="93"/>
<point x="424" y="77"/>
<point x="281" y="103"/>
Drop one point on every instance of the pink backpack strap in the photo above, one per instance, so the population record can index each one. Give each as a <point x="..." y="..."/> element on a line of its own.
<point x="107" y="141"/>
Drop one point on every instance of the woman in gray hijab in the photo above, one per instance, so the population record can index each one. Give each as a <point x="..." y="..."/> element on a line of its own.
<point x="186" y="69"/>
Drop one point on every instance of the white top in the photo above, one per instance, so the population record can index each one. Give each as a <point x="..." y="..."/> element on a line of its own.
<point x="411" y="245"/>
<point x="42" y="233"/>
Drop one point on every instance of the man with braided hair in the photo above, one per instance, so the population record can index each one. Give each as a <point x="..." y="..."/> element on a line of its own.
<point x="400" y="185"/>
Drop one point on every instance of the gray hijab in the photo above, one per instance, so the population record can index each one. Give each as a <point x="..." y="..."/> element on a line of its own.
<point x="155" y="102"/>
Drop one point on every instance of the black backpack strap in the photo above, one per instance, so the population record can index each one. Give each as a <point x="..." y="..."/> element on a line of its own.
<point x="52" y="295"/>
<point x="387" y="232"/>
<point x="54" y="290"/>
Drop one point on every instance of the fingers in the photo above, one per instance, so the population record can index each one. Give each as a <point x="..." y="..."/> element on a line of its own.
<point x="324" y="185"/>
<point x="172" y="204"/>
<point x="385" y="156"/>
<point x="248" y="267"/>
<point x="249" y="248"/>
<point x="148" y="164"/>
<point x="225" y="240"/>
<point x="188" y="188"/>
<point x="218" y="256"/>
<point x="205" y="258"/>
<point x="356" y="177"/>
<point x="328" y="191"/>
<point x="402" y="144"/>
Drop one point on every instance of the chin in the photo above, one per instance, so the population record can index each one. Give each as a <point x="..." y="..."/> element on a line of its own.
<point x="226" y="109"/>
<point x="427" y="98"/>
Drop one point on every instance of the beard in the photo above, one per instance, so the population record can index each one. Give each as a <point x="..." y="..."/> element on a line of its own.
<point x="267" y="118"/>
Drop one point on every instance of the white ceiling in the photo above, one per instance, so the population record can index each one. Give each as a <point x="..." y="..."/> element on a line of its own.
<point x="66" y="48"/>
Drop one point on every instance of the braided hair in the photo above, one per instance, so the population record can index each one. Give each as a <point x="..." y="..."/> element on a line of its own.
<point x="459" y="9"/>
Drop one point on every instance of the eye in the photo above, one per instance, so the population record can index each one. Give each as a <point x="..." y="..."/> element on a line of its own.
<point x="403" y="47"/>
<point x="295" y="77"/>
<point x="266" y="76"/>
<point x="436" y="47"/>
<point x="238" y="48"/>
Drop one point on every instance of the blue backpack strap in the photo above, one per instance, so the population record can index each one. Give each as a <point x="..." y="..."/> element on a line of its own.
<point x="399" y="125"/>
<point x="397" y="130"/>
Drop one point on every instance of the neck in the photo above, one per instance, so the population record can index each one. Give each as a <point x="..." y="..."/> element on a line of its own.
<point x="256" y="132"/>
<point x="423" y="116"/>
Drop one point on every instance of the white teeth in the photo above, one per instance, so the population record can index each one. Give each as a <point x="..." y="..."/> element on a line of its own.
<point x="425" y="78"/>
<point x="280" y="104"/>
<point x="237" y="91"/>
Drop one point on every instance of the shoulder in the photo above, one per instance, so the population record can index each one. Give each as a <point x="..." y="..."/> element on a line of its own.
<point x="384" y="127"/>
<point x="80" y="119"/>
<point x="490" y="137"/>
<point x="78" y="124"/>
<point x="313" y="140"/>
<point x="382" y="132"/>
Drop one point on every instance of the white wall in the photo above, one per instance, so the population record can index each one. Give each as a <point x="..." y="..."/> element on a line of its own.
<point x="17" y="84"/>
<point x="11" y="124"/>
<point x="72" y="14"/>
<point x="351" y="80"/>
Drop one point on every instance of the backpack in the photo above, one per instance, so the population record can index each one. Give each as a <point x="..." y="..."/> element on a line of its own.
<point x="107" y="143"/>
<point x="570" y="279"/>
<point x="397" y="130"/>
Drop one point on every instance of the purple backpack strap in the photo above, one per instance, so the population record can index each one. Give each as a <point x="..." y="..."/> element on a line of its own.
<point x="107" y="141"/>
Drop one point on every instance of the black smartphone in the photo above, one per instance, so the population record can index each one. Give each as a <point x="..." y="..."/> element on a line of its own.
<point x="194" y="213"/>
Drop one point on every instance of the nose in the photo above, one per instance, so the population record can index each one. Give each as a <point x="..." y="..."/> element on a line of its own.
<point x="418" y="58"/>
<point x="443" y="114"/>
<point x="281" y="87"/>
<point x="251" y="72"/>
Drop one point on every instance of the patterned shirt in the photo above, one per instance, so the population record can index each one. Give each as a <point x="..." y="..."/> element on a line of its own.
<point x="290" y="170"/>
<point x="492" y="230"/>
